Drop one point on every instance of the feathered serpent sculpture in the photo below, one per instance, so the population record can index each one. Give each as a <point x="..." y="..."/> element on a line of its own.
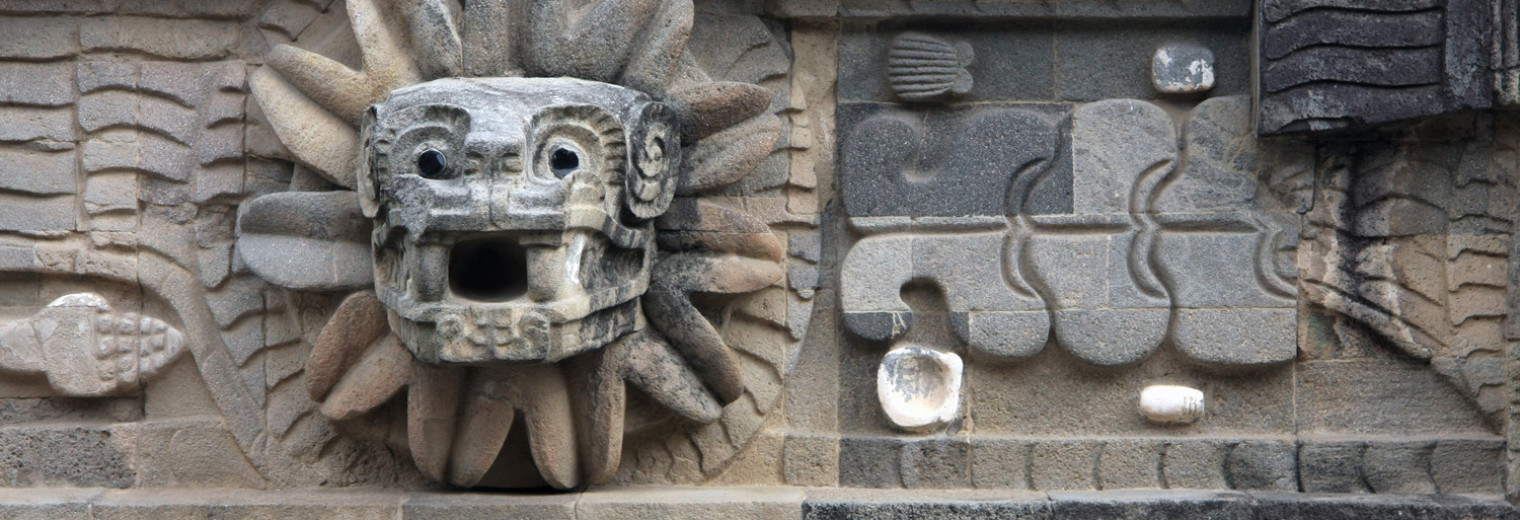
<point x="527" y="180"/>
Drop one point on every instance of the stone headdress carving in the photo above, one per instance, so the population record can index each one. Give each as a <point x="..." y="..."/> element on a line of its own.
<point x="521" y="226"/>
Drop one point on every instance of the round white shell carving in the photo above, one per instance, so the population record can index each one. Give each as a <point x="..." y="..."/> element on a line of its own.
<point x="919" y="388"/>
<point x="1171" y="404"/>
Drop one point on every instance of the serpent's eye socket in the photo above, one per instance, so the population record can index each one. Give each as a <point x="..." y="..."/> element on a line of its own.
<point x="564" y="160"/>
<point x="432" y="164"/>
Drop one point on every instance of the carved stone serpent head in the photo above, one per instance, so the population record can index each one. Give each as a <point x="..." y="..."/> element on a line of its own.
<point x="512" y="215"/>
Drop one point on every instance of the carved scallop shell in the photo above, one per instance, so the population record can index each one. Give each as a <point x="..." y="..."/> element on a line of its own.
<point x="922" y="68"/>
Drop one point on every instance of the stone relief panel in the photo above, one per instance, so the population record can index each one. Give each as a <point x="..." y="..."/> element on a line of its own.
<point x="561" y="258"/>
<point x="265" y="272"/>
<point x="1109" y="250"/>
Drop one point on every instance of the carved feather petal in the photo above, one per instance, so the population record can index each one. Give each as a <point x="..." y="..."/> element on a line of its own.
<point x="342" y="91"/>
<point x="655" y="58"/>
<point x="670" y="310"/>
<point x="551" y="426"/>
<point x="315" y="137"/>
<point x="432" y="405"/>
<point x="489" y="410"/>
<point x="489" y="39"/>
<point x="358" y="322"/>
<point x="727" y="156"/>
<point x="435" y="36"/>
<point x="588" y="43"/>
<point x="307" y="240"/>
<point x="370" y="382"/>
<point x="707" y="108"/>
<point x="656" y="368"/>
<point x="600" y="409"/>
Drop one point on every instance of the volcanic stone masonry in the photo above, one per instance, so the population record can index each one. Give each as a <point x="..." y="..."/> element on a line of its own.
<point x="759" y="259"/>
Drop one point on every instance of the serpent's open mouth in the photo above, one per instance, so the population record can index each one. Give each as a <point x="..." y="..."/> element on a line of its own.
<point x="489" y="269"/>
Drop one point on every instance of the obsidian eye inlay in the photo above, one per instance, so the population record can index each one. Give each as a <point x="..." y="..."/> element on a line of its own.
<point x="432" y="164"/>
<point x="563" y="161"/>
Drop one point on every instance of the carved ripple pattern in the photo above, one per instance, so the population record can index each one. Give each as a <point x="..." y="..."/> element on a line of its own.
<point x="731" y="345"/>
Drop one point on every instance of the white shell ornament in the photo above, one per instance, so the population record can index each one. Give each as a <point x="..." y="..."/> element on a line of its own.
<point x="1171" y="404"/>
<point x="919" y="388"/>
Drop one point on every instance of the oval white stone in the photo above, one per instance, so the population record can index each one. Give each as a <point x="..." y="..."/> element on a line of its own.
<point x="919" y="388"/>
<point x="1171" y="404"/>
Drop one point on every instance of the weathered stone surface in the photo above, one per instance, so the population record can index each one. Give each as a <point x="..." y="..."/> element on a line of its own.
<point x="37" y="124"/>
<point x="1338" y="69"/>
<point x="1129" y="465"/>
<point x="1000" y="463"/>
<point x="37" y="84"/>
<point x="63" y="455"/>
<point x="1340" y="396"/>
<point x="1398" y="467"/>
<point x="1195" y="464"/>
<point x="42" y="173"/>
<point x="868" y="462"/>
<point x="684" y="504"/>
<point x="1150" y="504"/>
<point x="483" y="507"/>
<point x="811" y="460"/>
<point x="1063" y="465"/>
<point x="36" y="38"/>
<point x="1331" y="467"/>
<point x="1467" y="466"/>
<point x="848" y="504"/>
<point x="937" y="463"/>
<point x="1182" y="69"/>
<point x="1263" y="465"/>
<point x="173" y="503"/>
<point x="307" y="240"/>
<point x="48" y="504"/>
<point x="168" y="38"/>
<point x="895" y="163"/>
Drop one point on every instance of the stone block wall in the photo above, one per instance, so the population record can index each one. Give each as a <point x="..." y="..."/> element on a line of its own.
<point x="931" y="246"/>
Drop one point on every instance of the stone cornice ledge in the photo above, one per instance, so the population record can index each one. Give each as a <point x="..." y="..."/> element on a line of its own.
<point x="732" y="504"/>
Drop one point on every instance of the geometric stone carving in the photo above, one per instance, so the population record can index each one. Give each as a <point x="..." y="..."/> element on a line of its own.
<point x="85" y="349"/>
<point x="537" y="232"/>
<point x="1326" y="65"/>
<point x="1147" y="248"/>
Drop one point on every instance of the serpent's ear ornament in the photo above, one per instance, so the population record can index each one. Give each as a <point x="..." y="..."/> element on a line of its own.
<point x="521" y="222"/>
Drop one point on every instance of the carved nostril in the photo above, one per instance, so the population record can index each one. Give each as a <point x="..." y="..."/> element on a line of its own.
<point x="489" y="269"/>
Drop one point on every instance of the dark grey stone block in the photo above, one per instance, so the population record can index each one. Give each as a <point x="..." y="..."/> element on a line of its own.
<point x="1013" y="61"/>
<point x="1299" y="506"/>
<point x="1265" y="465"/>
<point x="1331" y="467"/>
<point x="1357" y="65"/>
<point x="869" y="462"/>
<point x="950" y="505"/>
<point x="1150" y="505"/>
<point x="1103" y="61"/>
<point x="969" y="161"/>
<point x="937" y="463"/>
